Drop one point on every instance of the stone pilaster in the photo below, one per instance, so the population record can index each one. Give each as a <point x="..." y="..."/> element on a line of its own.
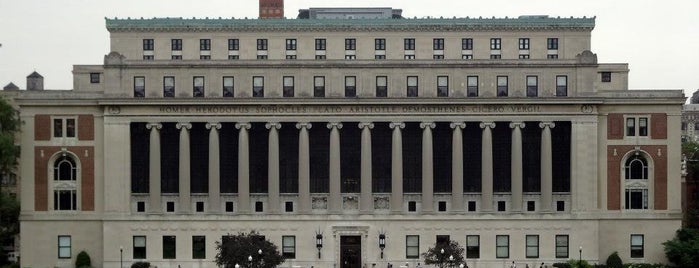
<point x="185" y="168"/>
<point x="214" y="167"/>
<point x="397" y="168"/>
<point x="273" y="167"/>
<point x="335" y="199"/>
<point x="516" y="165"/>
<point x="487" y="166"/>
<point x="243" y="168"/>
<point x="457" y="167"/>
<point x="365" y="198"/>
<point x="304" y="168"/>
<point x="427" y="167"/>
<point x="154" y="174"/>
<point x="546" y="166"/>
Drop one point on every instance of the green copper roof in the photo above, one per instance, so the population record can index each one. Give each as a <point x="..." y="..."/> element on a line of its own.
<point x="453" y="24"/>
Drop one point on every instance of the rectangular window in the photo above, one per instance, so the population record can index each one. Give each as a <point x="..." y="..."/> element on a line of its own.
<point x="148" y="44"/>
<point x="261" y="44"/>
<point x="502" y="86"/>
<point x="94" y="78"/>
<point x="350" y="44"/>
<point x="64" y="245"/>
<point x="552" y="56"/>
<point x="561" y="85"/>
<point x="258" y="86"/>
<point x="319" y="86"/>
<point x="466" y="57"/>
<point x="380" y="44"/>
<point x="560" y="205"/>
<point x="65" y="200"/>
<point x="169" y="247"/>
<point x="524" y="44"/>
<point x="438" y="44"/>
<point x="198" y="247"/>
<point x="495" y="56"/>
<point x="606" y="77"/>
<point x="169" y="86"/>
<point x="204" y="57"/>
<point x="139" y="86"/>
<point x="350" y="57"/>
<point x="532" y="86"/>
<point x="562" y="246"/>
<point x="532" y="250"/>
<point x="233" y="57"/>
<point x="495" y="43"/>
<point x="64" y="125"/>
<point x="233" y="44"/>
<point x="148" y="57"/>
<point x="198" y="86"/>
<point x="412" y="206"/>
<point x="472" y="86"/>
<point x="290" y="57"/>
<point x="288" y="86"/>
<point x="139" y="247"/>
<point x="442" y="239"/>
<point x="381" y="86"/>
<point x="552" y="43"/>
<point x="412" y="86"/>
<point x="471" y="205"/>
<point x="228" y="86"/>
<point x="379" y="57"/>
<point x="636" y="246"/>
<point x="412" y="246"/>
<point x="466" y="43"/>
<point x="289" y="206"/>
<point x="170" y="206"/>
<point x="205" y="44"/>
<point x="261" y="57"/>
<point x="289" y="246"/>
<point x="320" y="44"/>
<point x="438" y="57"/>
<point x="442" y="86"/>
<point x="502" y="246"/>
<point x="140" y="206"/>
<point x="523" y="56"/>
<point x="636" y="199"/>
<point x="199" y="206"/>
<point x="473" y="246"/>
<point x="409" y="44"/>
<point x="531" y="205"/>
<point x="290" y="44"/>
<point x="409" y="57"/>
<point x="643" y="126"/>
<point x="229" y="206"/>
<point x="350" y="86"/>
<point x="442" y="206"/>
<point x="176" y="44"/>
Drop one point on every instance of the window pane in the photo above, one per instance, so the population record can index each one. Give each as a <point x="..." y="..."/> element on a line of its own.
<point x="64" y="252"/>
<point x="531" y="81"/>
<point x="288" y="81"/>
<point x="319" y="81"/>
<point x="412" y="81"/>
<point x="198" y="247"/>
<point x="443" y="81"/>
<point x="258" y="81"/>
<point x="350" y="81"/>
<point x="139" y="241"/>
<point x="472" y="81"/>
<point x="64" y="241"/>
<point x="381" y="81"/>
<point x="58" y="127"/>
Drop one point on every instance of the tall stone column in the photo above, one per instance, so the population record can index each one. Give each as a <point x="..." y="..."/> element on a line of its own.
<point x="397" y="168"/>
<point x="304" y="169"/>
<point x="243" y="168"/>
<point x="273" y="167"/>
<point x="214" y="167"/>
<point x="365" y="198"/>
<point x="516" y="165"/>
<point x="427" y="167"/>
<point x="185" y="167"/>
<point x="335" y="199"/>
<point x="154" y="173"/>
<point x="457" y="167"/>
<point x="487" y="166"/>
<point x="546" y="166"/>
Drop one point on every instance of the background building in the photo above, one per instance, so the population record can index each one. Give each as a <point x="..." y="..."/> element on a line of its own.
<point x="505" y="135"/>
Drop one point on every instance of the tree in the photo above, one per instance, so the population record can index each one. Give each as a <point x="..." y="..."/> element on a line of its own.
<point x="690" y="153"/>
<point x="684" y="248"/>
<point x="449" y="254"/>
<point x="9" y="125"/>
<point x="249" y="250"/>
<point x="613" y="261"/>
<point x="83" y="260"/>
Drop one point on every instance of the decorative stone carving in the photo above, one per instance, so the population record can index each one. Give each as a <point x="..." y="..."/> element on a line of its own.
<point x="350" y="203"/>
<point x="382" y="202"/>
<point x="587" y="57"/>
<point x="114" y="58"/>
<point x="319" y="202"/>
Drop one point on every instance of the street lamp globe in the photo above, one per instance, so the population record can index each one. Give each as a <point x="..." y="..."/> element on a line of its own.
<point x="237" y="265"/>
<point x="259" y="251"/>
<point x="250" y="258"/>
<point x="441" y="251"/>
<point x="461" y="265"/>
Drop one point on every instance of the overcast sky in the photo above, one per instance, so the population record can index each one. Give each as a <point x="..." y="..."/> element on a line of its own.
<point x="659" y="39"/>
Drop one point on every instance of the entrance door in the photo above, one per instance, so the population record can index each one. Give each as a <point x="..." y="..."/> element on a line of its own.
<point x="350" y="251"/>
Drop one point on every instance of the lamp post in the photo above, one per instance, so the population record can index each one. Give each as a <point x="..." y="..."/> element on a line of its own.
<point x="319" y="242"/>
<point x="121" y="257"/>
<point x="249" y="261"/>
<point x="580" y="259"/>
<point x="382" y="243"/>
<point x="451" y="260"/>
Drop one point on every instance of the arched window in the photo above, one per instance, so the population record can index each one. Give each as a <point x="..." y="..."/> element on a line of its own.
<point x="636" y="185"/>
<point x="65" y="183"/>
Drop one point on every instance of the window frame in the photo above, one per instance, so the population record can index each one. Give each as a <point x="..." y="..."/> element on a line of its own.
<point x="148" y="44"/>
<point x="228" y="91"/>
<point x="637" y="251"/>
<point x="61" y="246"/>
<point x="561" y="88"/>
<point x="410" y="244"/>
<point x="233" y="44"/>
<point x="289" y="251"/>
<point x="176" y="44"/>
<point x="139" y="91"/>
<point x="350" y="44"/>
<point x="466" y="43"/>
<point x="204" y="44"/>
<point x="350" y="90"/>
<point x="560" y="247"/>
<point x="524" y="44"/>
<point x="471" y="90"/>
<point x="437" y="43"/>
<point x="500" y="88"/>
<point x="412" y="90"/>
<point x="198" y="247"/>
<point x="198" y="91"/>
<point x="169" y="255"/>
<point x="533" y="247"/>
<point x="637" y="130"/>
<point x="380" y="44"/>
<point x="321" y="44"/>
<point x="262" y="44"/>
<point x="532" y="89"/>
<point x="94" y="78"/>
<point x="288" y="90"/>
<point x="139" y="252"/>
<point x="606" y="77"/>
<point x="166" y="88"/>
<point x="552" y="43"/>
<point x="258" y="91"/>
<point x="64" y="129"/>
<point x="409" y="44"/>
<point x="442" y="88"/>
<point x="496" y="43"/>
<point x="505" y="246"/>
<point x="382" y="91"/>
<point x="291" y="44"/>
<point x="319" y="88"/>
<point x="473" y="251"/>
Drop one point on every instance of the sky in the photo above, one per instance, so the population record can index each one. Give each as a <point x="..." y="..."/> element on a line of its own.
<point x="658" y="39"/>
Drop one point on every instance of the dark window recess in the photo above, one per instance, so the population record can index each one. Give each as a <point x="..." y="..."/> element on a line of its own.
<point x="233" y="44"/>
<point x="560" y="141"/>
<point x="552" y="43"/>
<point x="228" y="145"/>
<point x="412" y="158"/>
<point x="289" y="206"/>
<point x="169" y="247"/>
<point x="258" y="138"/>
<point x="412" y="206"/>
<point x="409" y="44"/>
<point x="381" y="138"/>
<point x="350" y="153"/>
<point x="140" y="206"/>
<point x="261" y="44"/>
<point x="319" y="155"/>
<point x="441" y="157"/>
<point x="442" y="206"/>
<point x="198" y="247"/>
<point x="148" y="44"/>
<point x="288" y="158"/>
<point x="259" y="207"/>
<point x="199" y="158"/>
<point x="320" y="44"/>
<point x="94" y="78"/>
<point x="442" y="239"/>
<point x="140" y="162"/>
<point x="501" y="206"/>
<point x="170" y="206"/>
<point x="606" y="77"/>
<point x="176" y="44"/>
<point x="169" y="158"/>
<point x="204" y="44"/>
<point x="467" y="44"/>
<point x="560" y="205"/>
<point x="531" y="206"/>
<point x="531" y="155"/>
<point x="472" y="158"/>
<point x="200" y="206"/>
<point x="502" y="147"/>
<point x="471" y="205"/>
<point x="229" y="206"/>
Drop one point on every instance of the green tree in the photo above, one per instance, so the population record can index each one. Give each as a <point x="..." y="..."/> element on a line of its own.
<point x="443" y="255"/>
<point x="690" y="153"/>
<point x="9" y="126"/>
<point x="614" y="261"/>
<point x="683" y="250"/>
<point x="83" y="260"/>
<point x="249" y="250"/>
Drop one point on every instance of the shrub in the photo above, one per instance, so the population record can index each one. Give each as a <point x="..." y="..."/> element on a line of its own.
<point x="140" y="264"/>
<point x="682" y="250"/>
<point x="561" y="265"/>
<point x="83" y="260"/>
<point x="579" y="264"/>
<point x="613" y="261"/>
<point x="643" y="265"/>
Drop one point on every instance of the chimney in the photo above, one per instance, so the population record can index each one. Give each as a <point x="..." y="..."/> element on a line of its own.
<point x="11" y="86"/>
<point x="271" y="9"/>
<point x="35" y="81"/>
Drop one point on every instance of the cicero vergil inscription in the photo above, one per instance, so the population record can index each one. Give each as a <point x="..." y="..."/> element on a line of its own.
<point x="351" y="109"/>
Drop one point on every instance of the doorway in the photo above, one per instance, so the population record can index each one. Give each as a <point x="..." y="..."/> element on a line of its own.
<point x="350" y="251"/>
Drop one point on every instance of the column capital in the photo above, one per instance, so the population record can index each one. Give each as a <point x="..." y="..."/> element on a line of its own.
<point x="213" y="126"/>
<point x="275" y="125"/>
<point x="182" y="125"/>
<point x="332" y="125"/>
<point x="431" y="125"/>
<point x="460" y="125"/>
<point x="152" y="126"/>
<point x="242" y="125"/>
<point x="305" y="125"/>
<point x="363" y="125"/>
<point x="547" y="124"/>
<point x="393" y="125"/>
<point x="487" y="124"/>
<point x="517" y="124"/>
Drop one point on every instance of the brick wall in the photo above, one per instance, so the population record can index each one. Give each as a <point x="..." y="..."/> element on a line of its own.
<point x="658" y="153"/>
<point x="86" y="127"/>
<point x="615" y="126"/>
<point x="42" y="127"/>
<point x="658" y="126"/>
<point x="42" y="155"/>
